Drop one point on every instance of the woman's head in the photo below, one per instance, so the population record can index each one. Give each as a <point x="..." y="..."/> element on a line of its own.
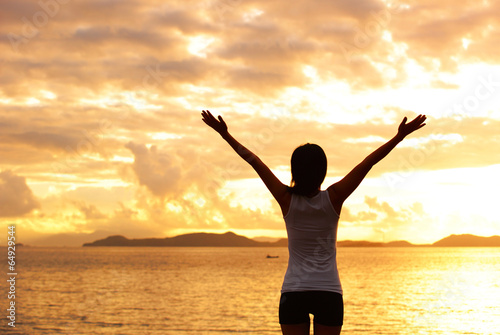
<point x="308" y="169"/>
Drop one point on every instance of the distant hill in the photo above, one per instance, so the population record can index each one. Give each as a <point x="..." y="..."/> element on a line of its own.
<point x="468" y="240"/>
<point x="228" y="239"/>
<point x="403" y="244"/>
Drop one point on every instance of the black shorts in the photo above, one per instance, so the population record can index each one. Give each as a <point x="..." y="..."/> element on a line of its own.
<point x="327" y="307"/>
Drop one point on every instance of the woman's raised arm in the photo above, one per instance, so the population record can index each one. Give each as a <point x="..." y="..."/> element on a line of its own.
<point x="341" y="190"/>
<point x="274" y="185"/>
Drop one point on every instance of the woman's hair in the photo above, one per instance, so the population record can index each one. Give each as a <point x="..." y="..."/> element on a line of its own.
<point x="308" y="169"/>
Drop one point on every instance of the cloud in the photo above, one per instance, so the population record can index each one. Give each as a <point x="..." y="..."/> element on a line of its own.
<point x="90" y="211"/>
<point x="381" y="221"/>
<point x="438" y="30"/>
<point x="382" y="215"/>
<point x="45" y="140"/>
<point x="156" y="170"/>
<point x="16" y="198"/>
<point x="256" y="47"/>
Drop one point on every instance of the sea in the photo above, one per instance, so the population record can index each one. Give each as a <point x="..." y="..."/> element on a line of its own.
<point x="198" y="290"/>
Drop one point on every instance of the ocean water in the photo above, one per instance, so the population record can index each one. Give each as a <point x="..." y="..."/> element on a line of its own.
<point x="119" y="290"/>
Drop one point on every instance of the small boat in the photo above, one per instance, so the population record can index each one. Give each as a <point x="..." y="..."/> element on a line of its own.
<point x="269" y="256"/>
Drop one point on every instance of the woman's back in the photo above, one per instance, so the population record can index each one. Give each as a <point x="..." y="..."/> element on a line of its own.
<point x="311" y="224"/>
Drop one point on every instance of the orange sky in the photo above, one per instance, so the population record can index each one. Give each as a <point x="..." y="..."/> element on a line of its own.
<point x="100" y="101"/>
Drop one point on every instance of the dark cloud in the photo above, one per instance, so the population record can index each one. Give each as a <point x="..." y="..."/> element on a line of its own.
<point x="45" y="140"/>
<point x="156" y="170"/>
<point x="91" y="212"/>
<point x="16" y="198"/>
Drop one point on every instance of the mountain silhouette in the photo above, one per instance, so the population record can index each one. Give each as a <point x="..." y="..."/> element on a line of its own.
<point x="467" y="240"/>
<point x="230" y="239"/>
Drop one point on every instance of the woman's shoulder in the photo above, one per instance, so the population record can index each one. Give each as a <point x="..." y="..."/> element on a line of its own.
<point x="334" y="199"/>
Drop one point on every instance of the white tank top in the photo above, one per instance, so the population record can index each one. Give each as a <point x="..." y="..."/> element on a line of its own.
<point x="311" y="225"/>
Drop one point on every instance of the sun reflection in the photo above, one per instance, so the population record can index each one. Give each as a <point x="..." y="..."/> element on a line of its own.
<point x="460" y="295"/>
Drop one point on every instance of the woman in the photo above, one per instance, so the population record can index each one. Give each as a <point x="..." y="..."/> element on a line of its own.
<point x="311" y="284"/>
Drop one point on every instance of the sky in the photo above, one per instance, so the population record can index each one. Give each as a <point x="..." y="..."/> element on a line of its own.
<point x="100" y="126"/>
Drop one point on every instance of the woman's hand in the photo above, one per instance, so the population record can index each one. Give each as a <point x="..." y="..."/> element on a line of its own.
<point x="408" y="128"/>
<point x="218" y="125"/>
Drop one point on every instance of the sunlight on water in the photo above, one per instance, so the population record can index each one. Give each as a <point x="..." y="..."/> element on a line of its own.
<point x="236" y="290"/>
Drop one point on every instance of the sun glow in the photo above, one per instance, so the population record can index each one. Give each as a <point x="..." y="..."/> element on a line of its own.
<point x="164" y="136"/>
<point x="198" y="45"/>
<point x="465" y="43"/>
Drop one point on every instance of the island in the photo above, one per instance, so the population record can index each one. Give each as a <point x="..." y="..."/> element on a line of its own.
<point x="228" y="239"/>
<point x="468" y="240"/>
<point x="231" y="239"/>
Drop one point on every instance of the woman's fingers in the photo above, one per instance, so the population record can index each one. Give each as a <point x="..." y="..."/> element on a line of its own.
<point x="418" y="122"/>
<point x="207" y="116"/>
<point x="217" y="124"/>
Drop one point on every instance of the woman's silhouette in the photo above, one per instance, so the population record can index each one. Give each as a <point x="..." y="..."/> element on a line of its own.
<point x="311" y="284"/>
